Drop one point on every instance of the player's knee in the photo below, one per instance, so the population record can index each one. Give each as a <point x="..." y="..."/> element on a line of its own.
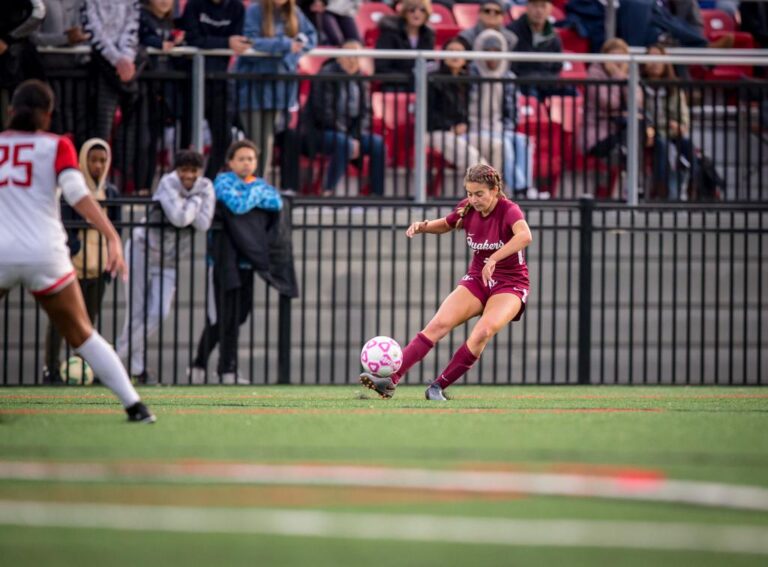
<point x="437" y="329"/>
<point x="482" y="334"/>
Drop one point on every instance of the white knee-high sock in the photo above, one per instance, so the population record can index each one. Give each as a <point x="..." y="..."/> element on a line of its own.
<point x="107" y="366"/>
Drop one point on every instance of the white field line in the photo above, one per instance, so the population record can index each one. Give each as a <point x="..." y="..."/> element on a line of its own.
<point x="310" y="523"/>
<point x="551" y="484"/>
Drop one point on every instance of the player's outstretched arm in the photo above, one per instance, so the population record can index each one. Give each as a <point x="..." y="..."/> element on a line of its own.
<point x="438" y="226"/>
<point x="90" y="210"/>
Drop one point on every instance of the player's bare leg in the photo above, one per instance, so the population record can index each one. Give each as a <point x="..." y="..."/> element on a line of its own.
<point x="66" y="310"/>
<point x="499" y="311"/>
<point x="458" y="307"/>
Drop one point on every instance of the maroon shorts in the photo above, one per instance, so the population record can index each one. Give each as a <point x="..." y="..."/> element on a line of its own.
<point x="496" y="286"/>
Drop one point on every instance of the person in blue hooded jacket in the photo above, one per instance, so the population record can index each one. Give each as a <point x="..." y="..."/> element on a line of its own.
<point x="280" y="29"/>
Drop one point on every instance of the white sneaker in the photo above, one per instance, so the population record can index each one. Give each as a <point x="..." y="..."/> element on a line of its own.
<point x="234" y="378"/>
<point x="544" y="195"/>
<point x="196" y="375"/>
<point x="532" y="193"/>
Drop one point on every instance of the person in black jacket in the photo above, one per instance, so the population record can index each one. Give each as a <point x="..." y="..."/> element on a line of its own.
<point x="338" y="117"/>
<point x="448" y="106"/>
<point x="159" y="98"/>
<point x="215" y="24"/>
<point x="535" y="34"/>
<point x="409" y="30"/>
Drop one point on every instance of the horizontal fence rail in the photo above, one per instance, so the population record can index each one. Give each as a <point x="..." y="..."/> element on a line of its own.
<point x="657" y="294"/>
<point x="549" y="144"/>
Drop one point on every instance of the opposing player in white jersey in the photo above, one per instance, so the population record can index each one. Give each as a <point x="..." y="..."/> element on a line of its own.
<point x="33" y="249"/>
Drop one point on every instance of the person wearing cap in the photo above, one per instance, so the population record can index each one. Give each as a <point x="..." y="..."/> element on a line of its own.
<point x="491" y="17"/>
<point x="535" y="34"/>
<point x="493" y="116"/>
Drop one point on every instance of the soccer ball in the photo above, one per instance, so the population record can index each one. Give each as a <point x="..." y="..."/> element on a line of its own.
<point x="381" y="356"/>
<point x="76" y="371"/>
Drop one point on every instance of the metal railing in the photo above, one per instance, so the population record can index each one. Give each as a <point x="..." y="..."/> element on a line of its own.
<point x="654" y="294"/>
<point x="735" y="110"/>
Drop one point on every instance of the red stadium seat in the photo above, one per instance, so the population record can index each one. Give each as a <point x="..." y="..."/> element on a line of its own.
<point x="575" y="70"/>
<point x="441" y="16"/>
<point x="466" y="14"/>
<point x="393" y="119"/>
<point x="367" y="20"/>
<point x="534" y="121"/>
<point x="717" y="21"/>
<point x="572" y="41"/>
<point x="444" y="24"/>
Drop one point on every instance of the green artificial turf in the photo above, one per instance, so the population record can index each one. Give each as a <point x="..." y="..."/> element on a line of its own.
<point x="687" y="433"/>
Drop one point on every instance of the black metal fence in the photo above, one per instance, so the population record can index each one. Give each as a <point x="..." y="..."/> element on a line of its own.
<point x="558" y="140"/>
<point x="657" y="294"/>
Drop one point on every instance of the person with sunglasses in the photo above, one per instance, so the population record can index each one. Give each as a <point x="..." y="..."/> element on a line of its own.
<point x="409" y="30"/>
<point x="491" y="17"/>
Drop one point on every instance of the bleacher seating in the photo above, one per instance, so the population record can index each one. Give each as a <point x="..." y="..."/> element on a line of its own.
<point x="444" y="24"/>
<point x="367" y="20"/>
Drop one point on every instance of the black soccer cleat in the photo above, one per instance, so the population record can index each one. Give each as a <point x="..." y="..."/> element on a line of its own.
<point x="384" y="387"/>
<point x="139" y="413"/>
<point x="435" y="393"/>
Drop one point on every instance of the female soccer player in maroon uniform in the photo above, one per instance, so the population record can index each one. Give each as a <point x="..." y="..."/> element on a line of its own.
<point x="495" y="286"/>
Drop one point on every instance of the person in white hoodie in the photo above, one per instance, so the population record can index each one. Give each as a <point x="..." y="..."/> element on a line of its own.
<point x="493" y="116"/>
<point x="184" y="201"/>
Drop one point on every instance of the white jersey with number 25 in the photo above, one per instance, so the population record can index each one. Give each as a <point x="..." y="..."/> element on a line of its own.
<point x="31" y="231"/>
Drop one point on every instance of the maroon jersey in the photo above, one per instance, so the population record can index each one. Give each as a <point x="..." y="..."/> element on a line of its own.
<point x="485" y="235"/>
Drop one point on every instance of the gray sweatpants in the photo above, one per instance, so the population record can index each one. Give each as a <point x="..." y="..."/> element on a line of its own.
<point x="148" y="298"/>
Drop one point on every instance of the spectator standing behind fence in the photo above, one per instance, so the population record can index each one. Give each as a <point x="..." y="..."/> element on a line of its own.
<point x="87" y="247"/>
<point x="408" y="30"/>
<point x="334" y="20"/>
<point x="160" y="98"/>
<point x="279" y="28"/>
<point x="62" y="28"/>
<point x="339" y="116"/>
<point x="493" y="117"/>
<point x="605" y="109"/>
<point x="535" y="34"/>
<point x="18" y="56"/>
<point x="448" y="110"/>
<point x="248" y="209"/>
<point x="667" y="107"/>
<point x="113" y="26"/>
<point x="215" y="24"/>
<point x="184" y="202"/>
<point x="490" y="17"/>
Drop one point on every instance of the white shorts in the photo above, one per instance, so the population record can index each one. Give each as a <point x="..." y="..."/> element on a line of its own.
<point x="40" y="279"/>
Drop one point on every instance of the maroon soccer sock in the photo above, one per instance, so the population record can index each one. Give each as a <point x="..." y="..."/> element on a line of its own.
<point x="415" y="351"/>
<point x="462" y="361"/>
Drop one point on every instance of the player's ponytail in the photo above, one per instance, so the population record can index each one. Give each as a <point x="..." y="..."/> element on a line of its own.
<point x="488" y="176"/>
<point x="31" y="106"/>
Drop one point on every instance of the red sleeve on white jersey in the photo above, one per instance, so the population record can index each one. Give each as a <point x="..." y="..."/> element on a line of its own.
<point x="66" y="157"/>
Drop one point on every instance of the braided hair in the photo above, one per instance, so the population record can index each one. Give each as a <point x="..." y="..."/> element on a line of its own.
<point x="485" y="175"/>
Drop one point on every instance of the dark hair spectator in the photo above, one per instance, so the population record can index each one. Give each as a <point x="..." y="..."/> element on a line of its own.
<point x="334" y="20"/>
<point x="214" y="24"/>
<point x="667" y="107"/>
<point x="448" y="109"/>
<point x="337" y="116"/>
<point x="18" y="57"/>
